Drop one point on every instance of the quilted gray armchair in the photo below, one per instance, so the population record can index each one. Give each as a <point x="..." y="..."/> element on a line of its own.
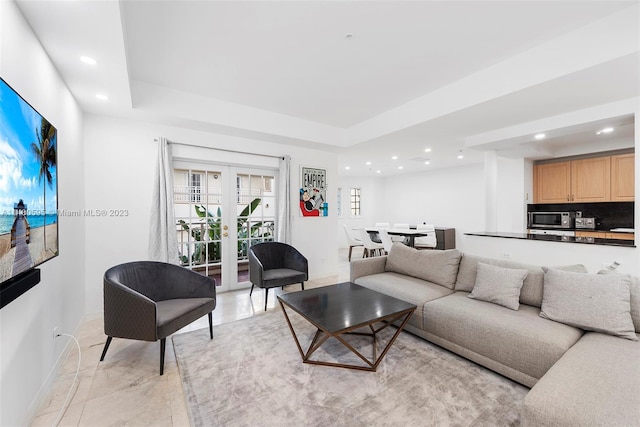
<point x="148" y="301"/>
<point x="273" y="264"/>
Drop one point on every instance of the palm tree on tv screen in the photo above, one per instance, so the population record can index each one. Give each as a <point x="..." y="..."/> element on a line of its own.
<point x="45" y="151"/>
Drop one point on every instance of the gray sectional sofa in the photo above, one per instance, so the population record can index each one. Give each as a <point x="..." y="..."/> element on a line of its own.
<point x="583" y="367"/>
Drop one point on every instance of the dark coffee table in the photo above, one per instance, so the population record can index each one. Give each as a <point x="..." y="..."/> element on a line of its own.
<point x="342" y="309"/>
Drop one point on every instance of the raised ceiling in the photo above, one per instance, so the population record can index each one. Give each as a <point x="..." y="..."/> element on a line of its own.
<point x="376" y="78"/>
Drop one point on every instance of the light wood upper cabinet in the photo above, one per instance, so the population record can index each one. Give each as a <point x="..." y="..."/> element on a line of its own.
<point x="591" y="180"/>
<point x="552" y="182"/>
<point x="623" y="177"/>
<point x="597" y="179"/>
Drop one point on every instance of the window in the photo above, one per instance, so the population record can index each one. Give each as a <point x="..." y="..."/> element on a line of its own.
<point x="339" y="202"/>
<point x="195" y="186"/>
<point x="354" y="202"/>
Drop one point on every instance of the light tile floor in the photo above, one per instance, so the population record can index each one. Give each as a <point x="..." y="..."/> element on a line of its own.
<point x="126" y="388"/>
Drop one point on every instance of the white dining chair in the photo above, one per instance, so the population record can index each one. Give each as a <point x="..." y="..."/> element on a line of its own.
<point x="386" y="240"/>
<point x="427" y="242"/>
<point x="353" y="242"/>
<point x="402" y="239"/>
<point x="379" y="225"/>
<point x="371" y="248"/>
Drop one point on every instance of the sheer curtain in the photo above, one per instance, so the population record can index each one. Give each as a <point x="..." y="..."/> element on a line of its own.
<point x="163" y="240"/>
<point x="283" y="233"/>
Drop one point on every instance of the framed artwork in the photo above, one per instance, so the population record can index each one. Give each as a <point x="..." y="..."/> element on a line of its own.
<point x="313" y="192"/>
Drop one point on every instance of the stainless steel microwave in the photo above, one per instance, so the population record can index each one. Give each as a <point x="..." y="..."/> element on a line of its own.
<point x="551" y="220"/>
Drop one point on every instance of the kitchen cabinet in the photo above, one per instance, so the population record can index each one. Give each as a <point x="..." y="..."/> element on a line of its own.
<point x="596" y="234"/>
<point x="622" y="236"/>
<point x="623" y="177"/>
<point x="596" y="179"/>
<point x="552" y="182"/>
<point x="605" y="235"/>
<point x="591" y="180"/>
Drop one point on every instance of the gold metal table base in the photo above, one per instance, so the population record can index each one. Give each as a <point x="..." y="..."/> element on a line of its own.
<point x="322" y="335"/>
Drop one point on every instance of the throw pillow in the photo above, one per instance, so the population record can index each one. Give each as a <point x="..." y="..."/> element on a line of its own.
<point x="600" y="303"/>
<point x="499" y="285"/>
<point x="439" y="267"/>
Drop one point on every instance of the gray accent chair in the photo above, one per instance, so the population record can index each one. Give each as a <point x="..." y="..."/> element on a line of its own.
<point x="273" y="264"/>
<point x="148" y="301"/>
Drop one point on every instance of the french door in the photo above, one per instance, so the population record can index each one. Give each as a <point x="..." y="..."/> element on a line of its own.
<point x="220" y="212"/>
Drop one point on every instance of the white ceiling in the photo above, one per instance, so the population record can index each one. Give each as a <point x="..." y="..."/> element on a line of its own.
<point x="288" y="71"/>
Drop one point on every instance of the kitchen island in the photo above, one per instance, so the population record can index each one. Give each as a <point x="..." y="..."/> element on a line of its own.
<point x="551" y="250"/>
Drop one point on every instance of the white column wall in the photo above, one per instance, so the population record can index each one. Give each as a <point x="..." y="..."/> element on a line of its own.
<point x="513" y="187"/>
<point x="490" y="190"/>
<point x="120" y="160"/>
<point x="29" y="355"/>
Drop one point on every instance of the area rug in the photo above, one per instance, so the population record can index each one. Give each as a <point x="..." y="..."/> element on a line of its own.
<point x="251" y="374"/>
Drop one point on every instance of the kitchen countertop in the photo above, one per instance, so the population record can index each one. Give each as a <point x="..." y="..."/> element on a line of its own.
<point x="601" y="230"/>
<point x="554" y="238"/>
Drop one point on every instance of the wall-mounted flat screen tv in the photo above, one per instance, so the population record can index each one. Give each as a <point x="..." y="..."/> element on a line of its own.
<point x="28" y="186"/>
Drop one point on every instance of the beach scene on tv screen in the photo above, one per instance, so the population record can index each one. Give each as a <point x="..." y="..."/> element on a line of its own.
<point x="28" y="186"/>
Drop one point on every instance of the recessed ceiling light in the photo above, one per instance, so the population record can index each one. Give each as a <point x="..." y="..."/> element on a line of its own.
<point x="460" y="155"/>
<point x="427" y="150"/>
<point x="88" y="60"/>
<point x="605" y="130"/>
<point x="378" y="171"/>
<point x="347" y="167"/>
<point x="400" y="167"/>
<point x="394" y="158"/>
<point x="102" y="97"/>
<point x="368" y="163"/>
<point x="540" y="136"/>
<point x="427" y="162"/>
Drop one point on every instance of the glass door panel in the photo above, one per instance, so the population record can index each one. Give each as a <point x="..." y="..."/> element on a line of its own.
<point x="198" y="200"/>
<point x="255" y="194"/>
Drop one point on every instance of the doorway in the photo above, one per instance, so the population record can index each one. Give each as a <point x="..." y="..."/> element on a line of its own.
<point x="221" y="211"/>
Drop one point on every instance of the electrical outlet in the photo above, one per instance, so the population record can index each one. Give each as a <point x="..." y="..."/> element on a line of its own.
<point x="506" y="255"/>
<point x="55" y="332"/>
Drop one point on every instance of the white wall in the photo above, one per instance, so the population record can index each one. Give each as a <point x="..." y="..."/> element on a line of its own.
<point x="120" y="160"/>
<point x="28" y="353"/>
<point x="446" y="197"/>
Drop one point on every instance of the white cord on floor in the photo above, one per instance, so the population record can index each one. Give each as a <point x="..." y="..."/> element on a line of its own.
<point x="72" y="388"/>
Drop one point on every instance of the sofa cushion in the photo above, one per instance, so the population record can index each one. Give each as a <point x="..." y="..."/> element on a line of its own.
<point x="498" y="285"/>
<point x="594" y="302"/>
<point x="634" y="285"/>
<point x="596" y="383"/>
<point x="410" y="289"/>
<point x="531" y="292"/>
<point x="439" y="267"/>
<point x="520" y="340"/>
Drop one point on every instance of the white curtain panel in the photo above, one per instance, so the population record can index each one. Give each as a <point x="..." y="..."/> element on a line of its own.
<point x="283" y="232"/>
<point x="163" y="240"/>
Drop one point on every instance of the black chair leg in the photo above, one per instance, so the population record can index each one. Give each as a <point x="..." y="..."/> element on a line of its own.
<point x="302" y="283"/>
<point x="163" y="342"/>
<point x="251" y="291"/>
<point x="266" y="297"/>
<point x="210" y="324"/>
<point x="350" y="249"/>
<point x="106" y="347"/>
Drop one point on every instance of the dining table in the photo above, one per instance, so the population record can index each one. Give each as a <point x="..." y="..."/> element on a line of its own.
<point x="409" y="233"/>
